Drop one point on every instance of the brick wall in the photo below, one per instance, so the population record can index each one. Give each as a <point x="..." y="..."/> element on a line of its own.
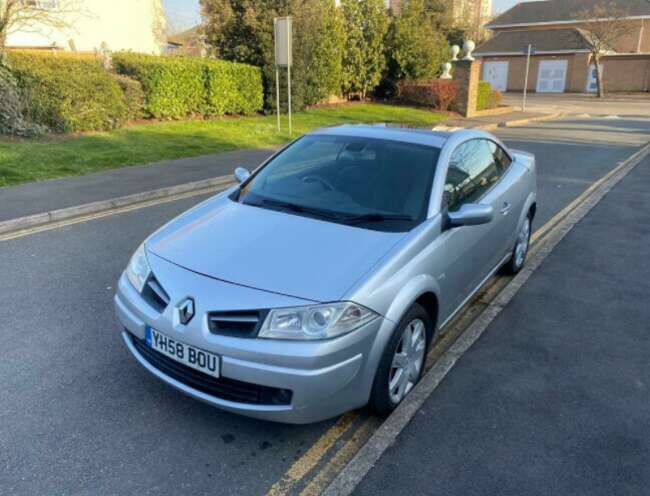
<point x="627" y="73"/>
<point x="621" y="73"/>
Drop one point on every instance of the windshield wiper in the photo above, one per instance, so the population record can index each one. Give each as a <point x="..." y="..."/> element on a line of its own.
<point x="377" y="217"/>
<point x="301" y="209"/>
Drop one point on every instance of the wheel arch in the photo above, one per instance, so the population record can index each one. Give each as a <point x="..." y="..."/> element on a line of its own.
<point x="423" y="290"/>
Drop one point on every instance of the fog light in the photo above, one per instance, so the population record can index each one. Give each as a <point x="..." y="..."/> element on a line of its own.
<point x="282" y="397"/>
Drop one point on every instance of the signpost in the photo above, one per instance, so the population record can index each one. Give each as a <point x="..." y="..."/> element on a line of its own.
<point x="530" y="50"/>
<point x="283" y="58"/>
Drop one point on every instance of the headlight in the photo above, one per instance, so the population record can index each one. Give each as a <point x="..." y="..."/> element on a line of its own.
<point x="138" y="269"/>
<point x="315" y="322"/>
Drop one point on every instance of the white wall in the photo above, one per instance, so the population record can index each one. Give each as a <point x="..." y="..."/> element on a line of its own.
<point x="121" y="24"/>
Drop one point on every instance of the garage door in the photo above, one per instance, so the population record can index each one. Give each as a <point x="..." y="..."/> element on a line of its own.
<point x="496" y="73"/>
<point x="552" y="76"/>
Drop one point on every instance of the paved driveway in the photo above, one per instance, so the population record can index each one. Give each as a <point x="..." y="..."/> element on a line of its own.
<point x="79" y="416"/>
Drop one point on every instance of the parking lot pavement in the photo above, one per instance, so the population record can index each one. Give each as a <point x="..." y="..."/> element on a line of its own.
<point x="78" y="415"/>
<point x="554" y="397"/>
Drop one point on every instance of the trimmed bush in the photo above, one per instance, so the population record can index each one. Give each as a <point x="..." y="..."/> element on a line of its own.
<point x="487" y="97"/>
<point x="232" y="88"/>
<point x="438" y="93"/>
<point x="176" y="87"/>
<point x="68" y="94"/>
<point x="133" y="94"/>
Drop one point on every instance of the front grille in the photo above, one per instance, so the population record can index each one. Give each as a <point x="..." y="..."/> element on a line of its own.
<point x="154" y="294"/>
<point x="244" y="324"/>
<point x="222" y="387"/>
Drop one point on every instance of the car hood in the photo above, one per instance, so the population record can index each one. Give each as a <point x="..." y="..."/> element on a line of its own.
<point x="271" y="250"/>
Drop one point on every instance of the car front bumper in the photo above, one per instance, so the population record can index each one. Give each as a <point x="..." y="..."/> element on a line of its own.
<point x="326" y="378"/>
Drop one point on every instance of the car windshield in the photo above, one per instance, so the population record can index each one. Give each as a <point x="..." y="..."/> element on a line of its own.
<point x="372" y="183"/>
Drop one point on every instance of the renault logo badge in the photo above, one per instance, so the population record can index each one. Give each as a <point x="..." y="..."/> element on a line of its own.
<point x="186" y="311"/>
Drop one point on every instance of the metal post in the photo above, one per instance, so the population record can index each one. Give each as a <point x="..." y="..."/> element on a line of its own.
<point x="290" y="55"/>
<point x="277" y="70"/>
<point x="523" y="107"/>
<point x="277" y="93"/>
<point x="289" y="99"/>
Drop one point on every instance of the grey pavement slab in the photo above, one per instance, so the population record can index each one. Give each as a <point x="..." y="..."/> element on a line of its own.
<point x="45" y="196"/>
<point x="555" y="397"/>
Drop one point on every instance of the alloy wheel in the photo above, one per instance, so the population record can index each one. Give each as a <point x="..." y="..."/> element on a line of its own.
<point x="522" y="243"/>
<point x="408" y="361"/>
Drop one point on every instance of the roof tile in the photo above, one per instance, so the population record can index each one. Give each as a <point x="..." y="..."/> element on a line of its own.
<point x="562" y="11"/>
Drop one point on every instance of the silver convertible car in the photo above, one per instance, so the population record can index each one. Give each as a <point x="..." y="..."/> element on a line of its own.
<point x="318" y="283"/>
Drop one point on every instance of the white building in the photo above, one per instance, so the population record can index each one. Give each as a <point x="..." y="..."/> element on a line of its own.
<point x="136" y="25"/>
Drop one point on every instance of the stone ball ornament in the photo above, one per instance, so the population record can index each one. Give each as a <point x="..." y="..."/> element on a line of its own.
<point x="469" y="47"/>
<point x="455" y="51"/>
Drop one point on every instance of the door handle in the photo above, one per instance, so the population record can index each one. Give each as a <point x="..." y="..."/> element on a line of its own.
<point x="505" y="210"/>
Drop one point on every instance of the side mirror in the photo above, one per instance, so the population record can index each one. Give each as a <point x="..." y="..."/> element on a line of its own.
<point x="470" y="214"/>
<point x="241" y="174"/>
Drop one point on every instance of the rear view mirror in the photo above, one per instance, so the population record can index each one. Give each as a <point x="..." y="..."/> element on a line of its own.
<point x="470" y="214"/>
<point x="241" y="174"/>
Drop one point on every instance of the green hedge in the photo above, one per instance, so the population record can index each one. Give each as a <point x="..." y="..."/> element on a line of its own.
<point x="176" y="87"/>
<point x="68" y="93"/>
<point x="487" y="97"/>
<point x="233" y="88"/>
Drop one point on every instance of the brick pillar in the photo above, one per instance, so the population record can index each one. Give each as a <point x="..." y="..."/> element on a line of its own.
<point x="468" y="74"/>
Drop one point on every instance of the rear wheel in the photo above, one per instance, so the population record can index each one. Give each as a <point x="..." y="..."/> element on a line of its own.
<point x="402" y="363"/>
<point x="520" y="251"/>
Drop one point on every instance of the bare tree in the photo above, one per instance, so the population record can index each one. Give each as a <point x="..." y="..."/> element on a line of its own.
<point x="605" y="24"/>
<point x="35" y="16"/>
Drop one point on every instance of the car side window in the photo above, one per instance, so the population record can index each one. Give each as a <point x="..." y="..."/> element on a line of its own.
<point x="472" y="172"/>
<point x="502" y="159"/>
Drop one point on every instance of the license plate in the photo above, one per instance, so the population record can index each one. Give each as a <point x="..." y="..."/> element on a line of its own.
<point x="188" y="355"/>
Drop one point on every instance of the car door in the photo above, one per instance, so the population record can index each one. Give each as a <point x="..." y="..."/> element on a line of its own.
<point x="513" y="191"/>
<point x="471" y="252"/>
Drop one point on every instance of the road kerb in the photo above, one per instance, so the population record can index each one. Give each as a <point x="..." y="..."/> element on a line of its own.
<point x="346" y="482"/>
<point x="530" y="120"/>
<point x="182" y="190"/>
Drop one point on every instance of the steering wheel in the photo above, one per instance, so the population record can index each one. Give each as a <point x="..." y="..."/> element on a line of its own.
<point x="320" y="180"/>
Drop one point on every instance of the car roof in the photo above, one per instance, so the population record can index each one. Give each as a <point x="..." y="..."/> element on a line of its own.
<point x="388" y="132"/>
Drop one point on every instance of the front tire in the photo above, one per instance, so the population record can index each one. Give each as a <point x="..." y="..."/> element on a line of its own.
<point x="402" y="362"/>
<point x="520" y="251"/>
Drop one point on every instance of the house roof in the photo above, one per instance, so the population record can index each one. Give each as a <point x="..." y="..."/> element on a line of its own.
<point x="188" y="37"/>
<point x="547" y="40"/>
<point x="189" y="42"/>
<point x="551" y="11"/>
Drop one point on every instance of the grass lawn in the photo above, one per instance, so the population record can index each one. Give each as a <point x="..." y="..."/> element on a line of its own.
<point x="34" y="160"/>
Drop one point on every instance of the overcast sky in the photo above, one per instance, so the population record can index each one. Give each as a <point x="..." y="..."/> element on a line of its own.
<point x="186" y="12"/>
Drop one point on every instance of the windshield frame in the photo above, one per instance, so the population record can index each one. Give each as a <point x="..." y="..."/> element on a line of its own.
<point x="329" y="215"/>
